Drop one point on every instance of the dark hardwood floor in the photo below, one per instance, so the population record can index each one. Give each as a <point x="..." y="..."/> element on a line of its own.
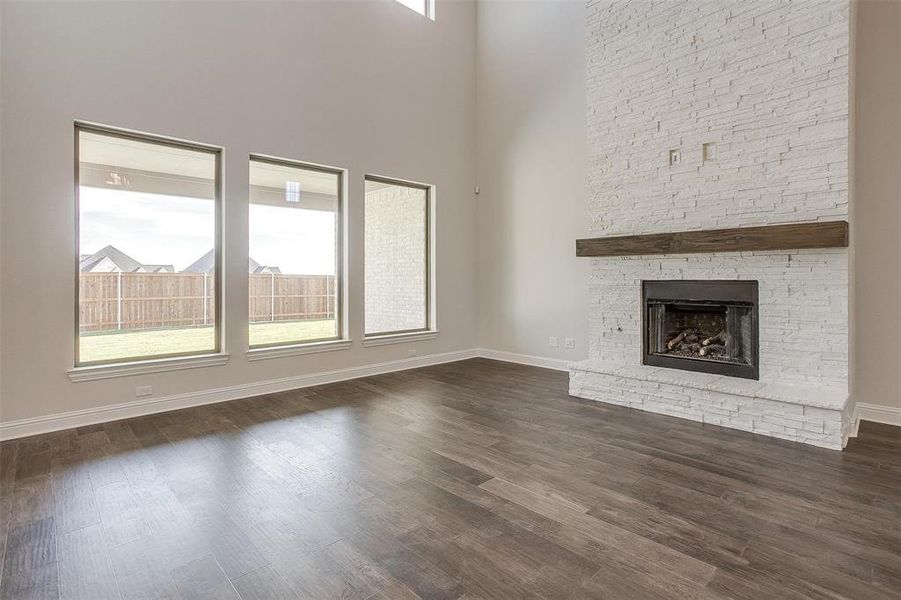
<point x="475" y="479"/>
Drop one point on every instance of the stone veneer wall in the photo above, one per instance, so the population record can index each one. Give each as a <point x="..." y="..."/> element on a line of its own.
<point x="803" y="308"/>
<point x="767" y="83"/>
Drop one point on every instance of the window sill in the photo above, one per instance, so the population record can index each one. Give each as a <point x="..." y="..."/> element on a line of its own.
<point x="400" y="338"/>
<point x="297" y="349"/>
<point x="143" y="367"/>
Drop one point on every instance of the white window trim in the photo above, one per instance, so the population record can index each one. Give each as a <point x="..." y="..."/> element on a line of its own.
<point x="400" y="338"/>
<point x="298" y="349"/>
<point x="144" y="367"/>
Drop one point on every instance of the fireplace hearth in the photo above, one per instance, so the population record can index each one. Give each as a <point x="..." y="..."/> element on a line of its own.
<point x="706" y="326"/>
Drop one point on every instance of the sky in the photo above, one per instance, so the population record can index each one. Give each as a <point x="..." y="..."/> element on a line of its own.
<point x="175" y="230"/>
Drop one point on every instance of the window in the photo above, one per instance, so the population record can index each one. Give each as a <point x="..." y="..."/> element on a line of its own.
<point x="424" y="7"/>
<point x="147" y="247"/>
<point x="295" y="253"/>
<point x="397" y="245"/>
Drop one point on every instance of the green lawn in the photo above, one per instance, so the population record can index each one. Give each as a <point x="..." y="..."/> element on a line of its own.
<point x="290" y="332"/>
<point x="115" y="345"/>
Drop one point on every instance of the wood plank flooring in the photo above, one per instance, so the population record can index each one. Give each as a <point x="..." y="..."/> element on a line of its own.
<point x="476" y="479"/>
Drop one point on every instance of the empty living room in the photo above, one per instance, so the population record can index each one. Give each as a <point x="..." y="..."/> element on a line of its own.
<point x="450" y="299"/>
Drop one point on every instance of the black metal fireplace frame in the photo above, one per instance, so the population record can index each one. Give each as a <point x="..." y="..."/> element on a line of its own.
<point x="709" y="291"/>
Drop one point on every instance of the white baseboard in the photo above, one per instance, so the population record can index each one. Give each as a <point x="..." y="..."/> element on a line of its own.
<point x="890" y="415"/>
<point x="525" y="359"/>
<point x="79" y="418"/>
<point x="90" y="416"/>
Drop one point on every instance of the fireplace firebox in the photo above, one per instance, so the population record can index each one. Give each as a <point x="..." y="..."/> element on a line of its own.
<point x="707" y="326"/>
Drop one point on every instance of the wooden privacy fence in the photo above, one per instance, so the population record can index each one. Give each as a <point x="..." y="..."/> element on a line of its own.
<point x="109" y="301"/>
<point x="291" y="297"/>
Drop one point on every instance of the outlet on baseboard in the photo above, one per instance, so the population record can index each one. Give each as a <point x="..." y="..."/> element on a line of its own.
<point x="412" y="352"/>
<point x="569" y="343"/>
<point x="553" y="342"/>
<point x="143" y="390"/>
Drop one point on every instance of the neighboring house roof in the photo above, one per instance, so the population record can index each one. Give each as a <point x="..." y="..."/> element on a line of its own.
<point x="263" y="270"/>
<point x="205" y="264"/>
<point x="159" y="268"/>
<point x="110" y="259"/>
<point x="105" y="265"/>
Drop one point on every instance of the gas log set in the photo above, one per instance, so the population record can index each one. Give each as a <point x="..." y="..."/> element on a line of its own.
<point x="694" y="342"/>
<point x="709" y="326"/>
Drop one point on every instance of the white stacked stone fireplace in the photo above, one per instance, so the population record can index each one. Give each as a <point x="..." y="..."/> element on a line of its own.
<point x="709" y="115"/>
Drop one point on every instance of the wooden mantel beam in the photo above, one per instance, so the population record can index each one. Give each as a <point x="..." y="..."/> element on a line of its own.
<point x="794" y="236"/>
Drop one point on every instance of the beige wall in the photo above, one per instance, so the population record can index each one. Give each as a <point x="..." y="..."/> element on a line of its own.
<point x="295" y="80"/>
<point x="532" y="172"/>
<point x="876" y="206"/>
<point x="370" y="86"/>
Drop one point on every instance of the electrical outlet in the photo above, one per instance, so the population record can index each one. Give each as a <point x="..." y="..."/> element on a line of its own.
<point x="675" y="157"/>
<point x="143" y="390"/>
<point x="708" y="151"/>
<point x="412" y="352"/>
<point x="553" y="342"/>
<point x="569" y="343"/>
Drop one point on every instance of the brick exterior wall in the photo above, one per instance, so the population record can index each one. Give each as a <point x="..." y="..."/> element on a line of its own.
<point x="395" y="260"/>
<point x="767" y="83"/>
